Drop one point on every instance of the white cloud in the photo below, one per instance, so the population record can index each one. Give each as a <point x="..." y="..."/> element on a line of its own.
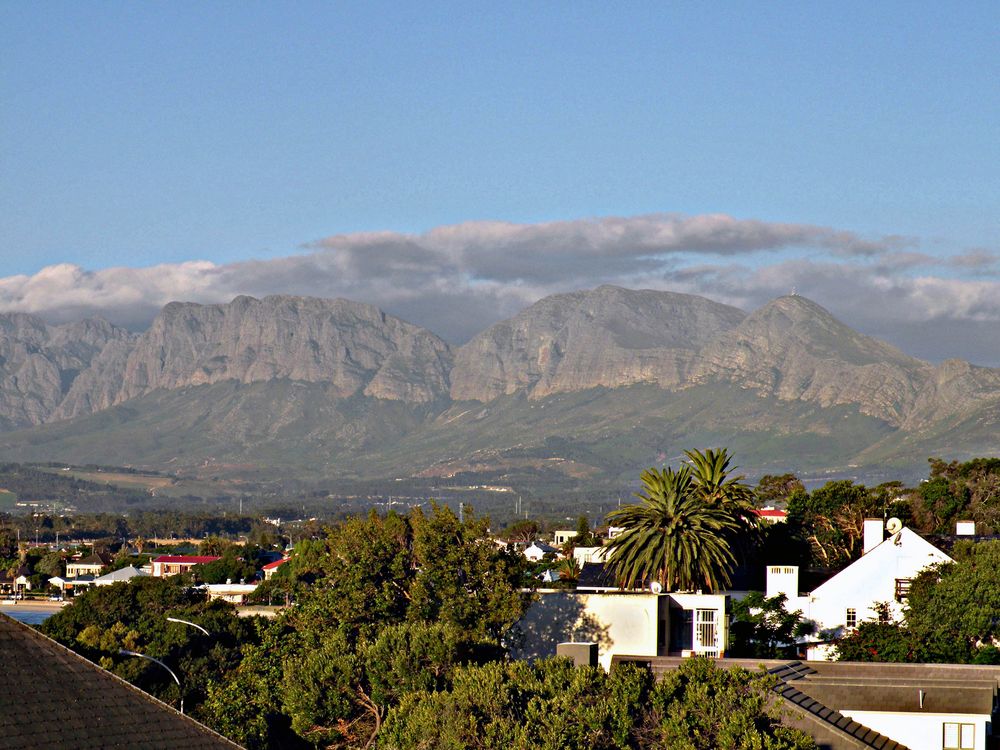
<point x="458" y="279"/>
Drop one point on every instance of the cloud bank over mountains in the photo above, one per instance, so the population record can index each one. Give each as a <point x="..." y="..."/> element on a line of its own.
<point x="458" y="279"/>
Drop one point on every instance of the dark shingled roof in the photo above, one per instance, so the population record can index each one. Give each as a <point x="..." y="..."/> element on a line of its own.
<point x="53" y="697"/>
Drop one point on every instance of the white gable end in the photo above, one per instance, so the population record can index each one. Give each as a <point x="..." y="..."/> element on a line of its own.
<point x="880" y="576"/>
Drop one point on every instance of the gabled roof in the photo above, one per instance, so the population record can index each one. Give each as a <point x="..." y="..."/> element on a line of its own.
<point x="542" y="546"/>
<point x="122" y="574"/>
<point x="276" y="564"/>
<point x="904" y="545"/>
<point x="190" y="559"/>
<point x="53" y="697"/>
<point x="89" y="560"/>
<point x="770" y="513"/>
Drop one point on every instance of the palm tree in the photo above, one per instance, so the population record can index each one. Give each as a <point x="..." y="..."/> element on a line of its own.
<point x="676" y="535"/>
<point x="568" y="569"/>
<point x="710" y="475"/>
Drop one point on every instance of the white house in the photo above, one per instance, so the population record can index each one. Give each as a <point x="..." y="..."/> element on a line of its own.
<point x="271" y="568"/>
<point x="584" y="555"/>
<point x="537" y="550"/>
<point x="87" y="566"/>
<point x="637" y="623"/>
<point x="234" y="593"/>
<point x="169" y="565"/>
<point x="117" y="576"/>
<point x="882" y="575"/>
<point x="560" y="537"/>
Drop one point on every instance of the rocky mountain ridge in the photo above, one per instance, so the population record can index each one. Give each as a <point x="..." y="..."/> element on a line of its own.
<point x="579" y="352"/>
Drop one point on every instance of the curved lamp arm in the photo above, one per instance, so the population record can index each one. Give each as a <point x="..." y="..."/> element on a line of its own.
<point x="185" y="622"/>
<point x="126" y="652"/>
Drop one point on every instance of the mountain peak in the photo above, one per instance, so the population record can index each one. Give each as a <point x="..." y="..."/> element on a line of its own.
<point x="607" y="337"/>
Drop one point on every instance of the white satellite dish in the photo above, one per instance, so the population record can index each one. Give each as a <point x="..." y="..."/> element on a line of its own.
<point x="655" y="587"/>
<point x="893" y="525"/>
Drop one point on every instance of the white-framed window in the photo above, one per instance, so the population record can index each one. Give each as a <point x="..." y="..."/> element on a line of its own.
<point x="958" y="736"/>
<point x="852" y="618"/>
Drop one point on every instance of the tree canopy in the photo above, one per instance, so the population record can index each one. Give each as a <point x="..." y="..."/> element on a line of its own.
<point x="682" y="531"/>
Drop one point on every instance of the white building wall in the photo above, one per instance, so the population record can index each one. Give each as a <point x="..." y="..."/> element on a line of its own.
<point x="868" y="581"/>
<point x="620" y="623"/>
<point x="631" y="623"/>
<point x="919" y="731"/>
<point x="590" y="555"/>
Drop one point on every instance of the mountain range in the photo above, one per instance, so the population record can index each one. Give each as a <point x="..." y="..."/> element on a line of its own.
<point x="579" y="389"/>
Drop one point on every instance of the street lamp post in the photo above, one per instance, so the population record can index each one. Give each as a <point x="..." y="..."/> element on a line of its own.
<point x="185" y="622"/>
<point x="126" y="652"/>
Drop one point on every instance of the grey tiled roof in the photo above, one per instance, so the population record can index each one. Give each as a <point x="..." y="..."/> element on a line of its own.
<point x="788" y="674"/>
<point x="51" y="697"/>
<point x="830" y="728"/>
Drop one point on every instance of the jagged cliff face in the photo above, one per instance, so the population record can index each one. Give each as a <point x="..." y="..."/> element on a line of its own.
<point x="608" y="337"/>
<point x="373" y="380"/>
<point x="354" y="347"/>
<point x="39" y="363"/>
<point x="793" y="349"/>
<point x="49" y="373"/>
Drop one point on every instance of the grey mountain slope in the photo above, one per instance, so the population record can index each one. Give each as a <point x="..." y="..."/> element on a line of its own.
<point x="594" y="384"/>
<point x="794" y="349"/>
<point x="39" y="363"/>
<point x="608" y="337"/>
<point x="351" y="346"/>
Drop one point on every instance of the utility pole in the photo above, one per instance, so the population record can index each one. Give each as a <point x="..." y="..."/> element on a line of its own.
<point x="461" y="512"/>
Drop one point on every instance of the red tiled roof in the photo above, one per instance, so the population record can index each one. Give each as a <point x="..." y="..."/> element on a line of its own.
<point x="275" y="564"/>
<point x="771" y="513"/>
<point x="190" y="559"/>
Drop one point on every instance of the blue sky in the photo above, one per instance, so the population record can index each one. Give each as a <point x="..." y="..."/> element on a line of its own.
<point x="139" y="135"/>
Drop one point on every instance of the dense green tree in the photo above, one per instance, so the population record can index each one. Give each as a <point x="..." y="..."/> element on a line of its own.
<point x="831" y="518"/>
<point x="959" y="491"/>
<point x="674" y="536"/>
<point x="762" y="627"/>
<point x="52" y="564"/>
<point x="953" y="608"/>
<point x="522" y="531"/>
<point x="548" y="705"/>
<point x="777" y="488"/>
<point x="882" y="641"/>
<point x="337" y="692"/>
<point x="246" y="704"/>
<point x="234" y="566"/>
<point x="133" y="616"/>
<point x="703" y="707"/>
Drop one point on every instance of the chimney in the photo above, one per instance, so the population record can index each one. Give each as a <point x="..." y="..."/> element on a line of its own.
<point x="873" y="534"/>
<point x="965" y="528"/>
<point x="783" y="579"/>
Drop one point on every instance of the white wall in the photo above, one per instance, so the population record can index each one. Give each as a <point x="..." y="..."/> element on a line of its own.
<point x="868" y="581"/>
<point x="589" y="555"/>
<point x="918" y="731"/>
<point x="715" y="602"/>
<point x="619" y="622"/>
<point x="635" y="623"/>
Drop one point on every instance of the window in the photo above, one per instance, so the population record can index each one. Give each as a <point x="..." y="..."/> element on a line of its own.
<point x="852" y="617"/>
<point x="958" y="736"/>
